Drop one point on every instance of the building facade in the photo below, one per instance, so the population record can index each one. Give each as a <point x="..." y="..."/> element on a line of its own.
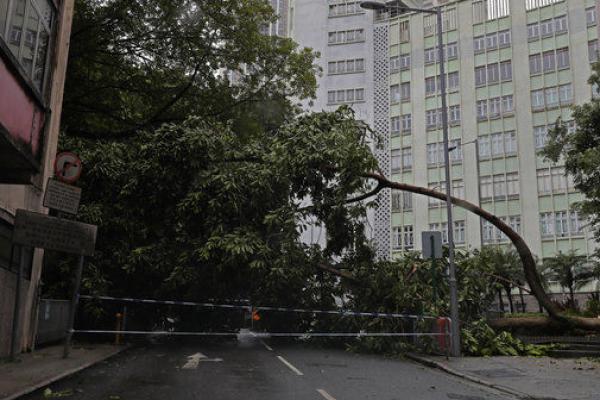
<point x="34" y="39"/>
<point x="513" y="68"/>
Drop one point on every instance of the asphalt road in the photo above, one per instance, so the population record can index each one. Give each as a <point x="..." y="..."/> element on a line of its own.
<point x="251" y="369"/>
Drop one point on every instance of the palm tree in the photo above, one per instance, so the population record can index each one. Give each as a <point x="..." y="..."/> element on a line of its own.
<point x="571" y="271"/>
<point x="505" y="265"/>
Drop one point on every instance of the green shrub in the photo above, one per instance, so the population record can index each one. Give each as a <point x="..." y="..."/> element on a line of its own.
<point x="479" y="339"/>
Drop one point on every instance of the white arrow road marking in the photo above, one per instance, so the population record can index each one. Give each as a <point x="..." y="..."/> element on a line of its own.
<point x="195" y="359"/>
<point x="290" y="366"/>
<point x="325" y="395"/>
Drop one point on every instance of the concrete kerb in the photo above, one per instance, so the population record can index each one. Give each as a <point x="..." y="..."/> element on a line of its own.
<point x="63" y="375"/>
<point x="438" y="365"/>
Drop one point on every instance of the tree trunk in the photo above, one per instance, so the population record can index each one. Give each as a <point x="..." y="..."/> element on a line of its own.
<point x="523" y="305"/>
<point x="572" y="297"/>
<point x="500" y="300"/>
<point x="510" y="300"/>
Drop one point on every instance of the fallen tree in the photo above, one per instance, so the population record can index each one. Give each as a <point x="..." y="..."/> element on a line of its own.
<point x="556" y="317"/>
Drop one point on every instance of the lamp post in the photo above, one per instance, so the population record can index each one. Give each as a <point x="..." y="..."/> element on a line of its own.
<point x="401" y="7"/>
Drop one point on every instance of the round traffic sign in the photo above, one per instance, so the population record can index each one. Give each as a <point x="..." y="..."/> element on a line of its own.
<point x="67" y="167"/>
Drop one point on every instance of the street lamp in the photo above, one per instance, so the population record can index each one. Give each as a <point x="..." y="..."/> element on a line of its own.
<point x="401" y="7"/>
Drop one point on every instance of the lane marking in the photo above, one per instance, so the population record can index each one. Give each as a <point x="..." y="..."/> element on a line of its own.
<point x="325" y="395"/>
<point x="266" y="345"/>
<point x="290" y="366"/>
<point x="195" y="359"/>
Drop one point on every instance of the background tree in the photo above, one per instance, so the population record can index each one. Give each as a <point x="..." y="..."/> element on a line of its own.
<point x="571" y="271"/>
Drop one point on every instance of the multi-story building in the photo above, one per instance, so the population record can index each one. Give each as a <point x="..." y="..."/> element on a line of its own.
<point x="34" y="37"/>
<point x="513" y="68"/>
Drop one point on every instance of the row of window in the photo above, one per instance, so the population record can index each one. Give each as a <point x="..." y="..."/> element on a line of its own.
<point x="561" y="224"/>
<point x="401" y="201"/>
<point x="433" y="118"/>
<point x="432" y="54"/>
<point x="448" y="22"/>
<point x="436" y="153"/>
<point x="493" y="73"/>
<point x="492" y="41"/>
<point x="401" y="125"/>
<point x="551" y="97"/>
<point x="26" y="29"/>
<point x="495" y="107"/>
<point x="433" y="84"/>
<point x="346" y="66"/>
<point x="401" y="62"/>
<point x="402" y="159"/>
<point x="499" y="186"/>
<point x="345" y="8"/>
<point x="345" y="96"/>
<point x="349" y="36"/>
<point x="400" y="92"/>
<point x="497" y="144"/>
<point x="547" y="27"/>
<point x="554" y="180"/>
<point x="549" y="61"/>
<point x="540" y="133"/>
<point x="458" y="190"/>
<point x="533" y="4"/>
<point x="487" y="10"/>
<point x="491" y="234"/>
<point x="459" y="231"/>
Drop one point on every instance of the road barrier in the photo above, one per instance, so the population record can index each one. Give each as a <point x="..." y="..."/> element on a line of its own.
<point x="438" y="327"/>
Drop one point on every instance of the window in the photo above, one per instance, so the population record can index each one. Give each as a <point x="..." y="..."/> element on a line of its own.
<point x="506" y="70"/>
<point x="430" y="55"/>
<point x="350" y="36"/>
<point x="433" y="84"/>
<point x="493" y="73"/>
<point x="458" y="189"/>
<point x="409" y="237"/>
<point x="401" y="201"/>
<point x="491" y="41"/>
<point x="533" y="31"/>
<point x="28" y="40"/>
<point x="344" y="8"/>
<point x="345" y="96"/>
<point x="507" y="104"/>
<point x="510" y="143"/>
<point x="544" y="182"/>
<point x="512" y="184"/>
<point x="407" y="158"/>
<point x="504" y="38"/>
<point x="487" y="10"/>
<point x="395" y="93"/>
<point x="562" y="58"/>
<point x="404" y="61"/>
<point x="431" y="119"/>
<point x="394" y="63"/>
<point x="551" y="95"/>
<point x="451" y="51"/>
<point x="590" y="16"/>
<point x="482" y="111"/>
<point x="541" y="136"/>
<point x="561" y="224"/>
<point x="396" y="160"/>
<point x="485" y="187"/>
<point x="395" y="126"/>
<point x="549" y="61"/>
<point x="546" y="224"/>
<point x="454" y="115"/>
<point x="495" y="107"/>
<point x="535" y="64"/>
<point x="565" y="94"/>
<point x="406" y="124"/>
<point x="499" y="186"/>
<point x="537" y="99"/>
<point x="479" y="44"/>
<point x="404" y="31"/>
<point x="430" y="85"/>
<point x="405" y="91"/>
<point x="533" y="4"/>
<point x="483" y="143"/>
<point x="547" y="27"/>
<point x="397" y="237"/>
<point x="593" y="50"/>
<point x="560" y="24"/>
<point x="459" y="231"/>
<point x="455" y="150"/>
<point x="480" y="76"/>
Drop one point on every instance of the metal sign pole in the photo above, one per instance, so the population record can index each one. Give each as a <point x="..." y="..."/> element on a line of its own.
<point x="433" y="273"/>
<point x="73" y="307"/>
<point x="15" y="342"/>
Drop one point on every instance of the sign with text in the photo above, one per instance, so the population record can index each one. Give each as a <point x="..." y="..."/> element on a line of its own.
<point x="432" y="244"/>
<point x="62" y="197"/>
<point x="50" y="233"/>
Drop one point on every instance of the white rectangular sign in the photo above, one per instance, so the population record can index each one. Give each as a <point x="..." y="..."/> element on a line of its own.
<point x="62" y="197"/>
<point x="51" y="233"/>
<point x="431" y="243"/>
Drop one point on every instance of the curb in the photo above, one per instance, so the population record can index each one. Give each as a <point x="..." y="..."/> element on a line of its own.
<point x="63" y="375"/>
<point x="443" y="367"/>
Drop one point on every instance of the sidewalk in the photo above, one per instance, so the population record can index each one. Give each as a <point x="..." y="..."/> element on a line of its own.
<point x="526" y="377"/>
<point x="42" y="367"/>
